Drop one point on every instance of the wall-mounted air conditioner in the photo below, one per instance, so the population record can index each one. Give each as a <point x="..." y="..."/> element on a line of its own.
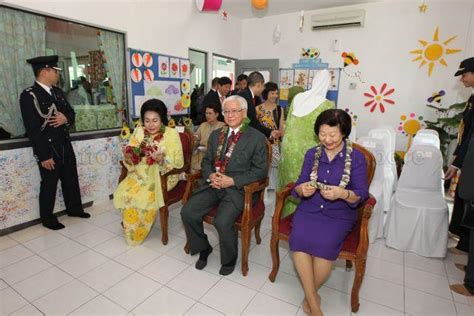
<point x="339" y="19"/>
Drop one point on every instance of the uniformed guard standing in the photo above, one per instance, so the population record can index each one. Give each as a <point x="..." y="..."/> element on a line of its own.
<point x="466" y="71"/>
<point x="47" y="116"/>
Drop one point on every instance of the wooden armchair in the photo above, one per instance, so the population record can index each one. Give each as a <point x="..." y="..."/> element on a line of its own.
<point x="177" y="193"/>
<point x="356" y="244"/>
<point x="251" y="217"/>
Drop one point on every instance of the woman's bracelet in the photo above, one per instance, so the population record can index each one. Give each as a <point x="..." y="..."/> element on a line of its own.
<point x="348" y="195"/>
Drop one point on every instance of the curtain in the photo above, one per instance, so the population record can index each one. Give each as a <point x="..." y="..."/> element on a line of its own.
<point x="22" y="36"/>
<point x="112" y="44"/>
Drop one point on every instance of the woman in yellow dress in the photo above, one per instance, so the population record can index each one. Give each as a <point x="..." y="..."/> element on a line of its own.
<point x="152" y="149"/>
<point x="202" y="135"/>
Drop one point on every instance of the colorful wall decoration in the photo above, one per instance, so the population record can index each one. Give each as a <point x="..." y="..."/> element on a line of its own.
<point x="302" y="75"/>
<point x="159" y="76"/>
<point x="98" y="169"/>
<point x="378" y="99"/>
<point x="410" y="125"/>
<point x="350" y="61"/>
<point x="434" y="52"/>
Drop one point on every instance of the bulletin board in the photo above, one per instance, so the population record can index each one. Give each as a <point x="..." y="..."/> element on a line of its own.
<point x="302" y="74"/>
<point x="162" y="77"/>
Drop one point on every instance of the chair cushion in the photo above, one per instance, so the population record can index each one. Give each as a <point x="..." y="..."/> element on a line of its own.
<point x="285" y="225"/>
<point x="352" y="240"/>
<point x="258" y="211"/>
<point x="177" y="193"/>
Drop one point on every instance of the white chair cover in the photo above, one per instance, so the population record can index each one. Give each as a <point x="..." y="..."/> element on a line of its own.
<point x="427" y="131"/>
<point x="429" y="139"/>
<point x="376" y="222"/>
<point x="387" y="134"/>
<point x="386" y="162"/>
<point x="418" y="221"/>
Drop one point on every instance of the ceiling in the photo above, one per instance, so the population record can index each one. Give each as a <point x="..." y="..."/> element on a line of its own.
<point x="244" y="9"/>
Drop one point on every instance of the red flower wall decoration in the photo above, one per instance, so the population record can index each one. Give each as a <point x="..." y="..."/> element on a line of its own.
<point x="379" y="97"/>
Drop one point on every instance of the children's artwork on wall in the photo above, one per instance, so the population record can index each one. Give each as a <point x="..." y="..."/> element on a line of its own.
<point x="159" y="77"/>
<point x="350" y="62"/>
<point x="310" y="53"/>
<point x="301" y="77"/>
<point x="286" y="78"/>
<point x="379" y="98"/>
<point x="174" y="67"/>
<point x="434" y="52"/>
<point x="185" y="69"/>
<point x="147" y="60"/>
<point x="148" y="75"/>
<point x="97" y="161"/>
<point x="224" y="15"/>
<point x="136" y="75"/>
<point x="185" y="86"/>
<point x="436" y="97"/>
<point x="164" y="66"/>
<point x="137" y="60"/>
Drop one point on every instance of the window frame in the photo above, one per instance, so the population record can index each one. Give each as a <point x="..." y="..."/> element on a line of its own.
<point x="22" y="142"/>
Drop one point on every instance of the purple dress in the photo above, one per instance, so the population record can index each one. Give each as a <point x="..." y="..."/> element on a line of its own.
<point x="320" y="226"/>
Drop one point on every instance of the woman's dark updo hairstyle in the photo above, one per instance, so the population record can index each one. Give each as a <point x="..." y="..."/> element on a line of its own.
<point x="213" y="107"/>
<point x="157" y="106"/>
<point x="269" y="86"/>
<point x="334" y="117"/>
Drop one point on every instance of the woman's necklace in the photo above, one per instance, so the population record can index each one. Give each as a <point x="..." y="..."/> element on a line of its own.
<point x="347" y="167"/>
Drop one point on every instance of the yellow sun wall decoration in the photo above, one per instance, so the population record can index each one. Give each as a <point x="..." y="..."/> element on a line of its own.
<point x="434" y="52"/>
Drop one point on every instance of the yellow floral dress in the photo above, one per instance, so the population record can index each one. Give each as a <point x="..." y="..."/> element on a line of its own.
<point x="139" y="195"/>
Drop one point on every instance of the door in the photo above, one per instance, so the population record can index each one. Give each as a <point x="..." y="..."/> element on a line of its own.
<point x="267" y="67"/>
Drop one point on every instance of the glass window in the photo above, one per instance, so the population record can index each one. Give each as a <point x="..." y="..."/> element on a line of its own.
<point x="93" y="62"/>
<point x="223" y="66"/>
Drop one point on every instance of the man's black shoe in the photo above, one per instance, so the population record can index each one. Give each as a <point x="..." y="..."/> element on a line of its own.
<point x="54" y="225"/>
<point x="82" y="215"/>
<point x="202" y="262"/>
<point x="227" y="269"/>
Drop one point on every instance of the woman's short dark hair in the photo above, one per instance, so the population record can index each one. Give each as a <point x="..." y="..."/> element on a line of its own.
<point x="212" y="107"/>
<point x="155" y="105"/>
<point x="334" y="117"/>
<point x="269" y="86"/>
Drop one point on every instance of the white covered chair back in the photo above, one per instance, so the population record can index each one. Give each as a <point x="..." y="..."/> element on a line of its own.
<point x="427" y="131"/>
<point x="388" y="136"/>
<point x="376" y="222"/>
<point x="425" y="138"/>
<point x="418" y="220"/>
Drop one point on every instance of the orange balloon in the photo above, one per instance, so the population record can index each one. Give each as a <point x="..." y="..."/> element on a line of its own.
<point x="260" y="4"/>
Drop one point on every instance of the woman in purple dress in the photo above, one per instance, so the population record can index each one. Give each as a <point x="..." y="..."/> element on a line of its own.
<point x="331" y="185"/>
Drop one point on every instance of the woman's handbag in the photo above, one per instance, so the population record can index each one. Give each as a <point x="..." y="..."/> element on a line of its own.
<point x="275" y="153"/>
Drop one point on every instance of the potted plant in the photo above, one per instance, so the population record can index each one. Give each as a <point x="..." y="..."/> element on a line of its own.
<point x="446" y="124"/>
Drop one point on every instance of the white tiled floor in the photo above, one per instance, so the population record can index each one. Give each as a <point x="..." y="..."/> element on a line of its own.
<point x="87" y="269"/>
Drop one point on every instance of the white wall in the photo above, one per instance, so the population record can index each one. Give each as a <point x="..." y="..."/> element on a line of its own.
<point x="391" y="31"/>
<point x="162" y="26"/>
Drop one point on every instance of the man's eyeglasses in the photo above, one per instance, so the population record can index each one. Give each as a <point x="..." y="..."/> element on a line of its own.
<point x="233" y="112"/>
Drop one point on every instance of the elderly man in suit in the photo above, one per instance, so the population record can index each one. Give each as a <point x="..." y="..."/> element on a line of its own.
<point x="236" y="156"/>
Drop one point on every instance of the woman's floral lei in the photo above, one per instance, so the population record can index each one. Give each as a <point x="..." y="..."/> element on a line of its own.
<point x="145" y="148"/>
